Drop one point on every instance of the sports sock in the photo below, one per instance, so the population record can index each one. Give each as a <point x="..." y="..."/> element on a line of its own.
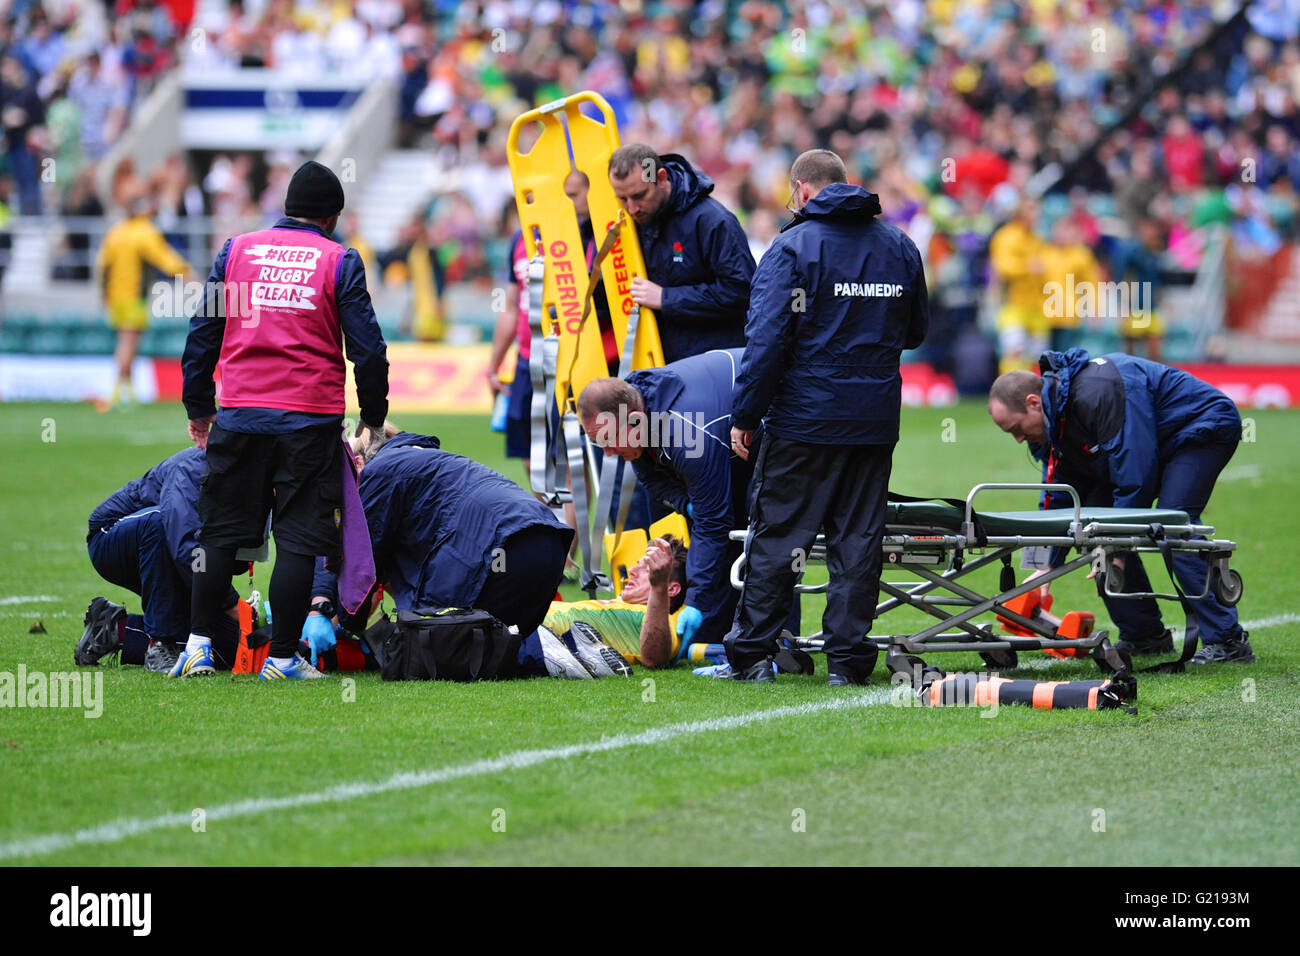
<point x="284" y="663"/>
<point x="290" y="594"/>
<point x="197" y="642"/>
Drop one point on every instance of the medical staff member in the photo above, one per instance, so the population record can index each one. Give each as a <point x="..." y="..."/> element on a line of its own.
<point x="836" y="299"/>
<point x="697" y="257"/>
<point x="280" y="304"/>
<point x="1127" y="431"/>
<point x="673" y="424"/>
<point x="143" y="537"/>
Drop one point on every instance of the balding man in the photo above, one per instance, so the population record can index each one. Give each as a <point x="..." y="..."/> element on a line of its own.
<point x="697" y="257"/>
<point x="835" y="300"/>
<point x="1124" y="432"/>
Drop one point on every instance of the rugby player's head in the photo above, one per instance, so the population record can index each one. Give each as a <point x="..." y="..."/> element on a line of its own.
<point x="812" y="171"/>
<point x="640" y="180"/>
<point x="636" y="590"/>
<point x="613" y="416"/>
<point x="1016" y="406"/>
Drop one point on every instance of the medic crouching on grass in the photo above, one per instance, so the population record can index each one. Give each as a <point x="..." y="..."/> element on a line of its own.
<point x="276" y="445"/>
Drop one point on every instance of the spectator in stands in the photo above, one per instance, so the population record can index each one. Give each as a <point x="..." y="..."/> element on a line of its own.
<point x="22" y="116"/>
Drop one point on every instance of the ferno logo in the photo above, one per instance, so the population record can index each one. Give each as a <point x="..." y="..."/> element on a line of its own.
<point x="569" y="304"/>
<point x="622" y="276"/>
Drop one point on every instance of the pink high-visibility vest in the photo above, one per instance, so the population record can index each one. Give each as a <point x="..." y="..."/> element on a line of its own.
<point x="283" y="345"/>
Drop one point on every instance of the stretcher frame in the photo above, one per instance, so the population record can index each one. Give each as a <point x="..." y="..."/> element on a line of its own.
<point x="1096" y="541"/>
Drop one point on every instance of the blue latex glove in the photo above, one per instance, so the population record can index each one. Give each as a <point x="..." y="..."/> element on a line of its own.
<point x="689" y="620"/>
<point x="318" y="632"/>
<point x="690" y="510"/>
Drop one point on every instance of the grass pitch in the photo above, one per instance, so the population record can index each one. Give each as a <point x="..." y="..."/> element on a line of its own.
<point x="662" y="768"/>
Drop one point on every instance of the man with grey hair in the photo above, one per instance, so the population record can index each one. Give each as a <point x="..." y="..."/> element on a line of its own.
<point x="697" y="257"/>
<point x="836" y="299"/>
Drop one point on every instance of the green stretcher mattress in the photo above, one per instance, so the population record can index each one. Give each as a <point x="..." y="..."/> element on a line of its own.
<point x="937" y="516"/>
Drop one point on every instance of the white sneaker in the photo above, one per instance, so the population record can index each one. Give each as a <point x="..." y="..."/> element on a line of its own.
<point x="559" y="662"/>
<point x="594" y="654"/>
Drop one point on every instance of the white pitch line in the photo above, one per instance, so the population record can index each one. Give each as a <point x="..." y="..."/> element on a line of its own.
<point x="119" y="830"/>
<point x="29" y="599"/>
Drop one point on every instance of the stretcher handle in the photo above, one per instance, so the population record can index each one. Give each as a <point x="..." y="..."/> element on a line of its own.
<point x="1021" y="486"/>
<point x="555" y="106"/>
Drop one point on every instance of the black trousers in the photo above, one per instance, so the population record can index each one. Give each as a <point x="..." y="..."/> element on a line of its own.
<point x="798" y="491"/>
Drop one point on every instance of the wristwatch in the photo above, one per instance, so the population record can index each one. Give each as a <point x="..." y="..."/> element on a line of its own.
<point x="324" y="606"/>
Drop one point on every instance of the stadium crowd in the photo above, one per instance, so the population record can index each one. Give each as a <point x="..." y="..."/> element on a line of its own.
<point x="951" y="111"/>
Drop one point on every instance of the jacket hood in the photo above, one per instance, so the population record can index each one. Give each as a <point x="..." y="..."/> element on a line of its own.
<point x="839" y="201"/>
<point x="1058" y="370"/>
<point x="689" y="184"/>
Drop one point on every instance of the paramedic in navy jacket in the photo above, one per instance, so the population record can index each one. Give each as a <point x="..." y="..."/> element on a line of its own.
<point x="144" y="537"/>
<point x="683" y="458"/>
<point x="449" y="532"/>
<point x="836" y="299"/>
<point x="697" y="257"/>
<point x="1126" y="431"/>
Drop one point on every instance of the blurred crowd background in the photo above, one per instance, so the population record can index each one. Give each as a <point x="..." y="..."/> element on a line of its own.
<point x="1137" y="126"/>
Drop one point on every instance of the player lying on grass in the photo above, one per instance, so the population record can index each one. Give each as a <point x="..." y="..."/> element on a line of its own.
<point x="449" y="532"/>
<point x="639" y="623"/>
<point x="144" y="537"/>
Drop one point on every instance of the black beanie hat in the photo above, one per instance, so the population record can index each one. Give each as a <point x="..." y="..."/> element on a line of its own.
<point x="314" y="192"/>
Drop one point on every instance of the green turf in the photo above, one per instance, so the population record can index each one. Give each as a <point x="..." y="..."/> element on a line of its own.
<point x="1205" y="774"/>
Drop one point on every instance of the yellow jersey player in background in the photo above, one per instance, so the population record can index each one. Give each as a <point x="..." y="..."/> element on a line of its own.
<point x="639" y="622"/>
<point x="127" y="247"/>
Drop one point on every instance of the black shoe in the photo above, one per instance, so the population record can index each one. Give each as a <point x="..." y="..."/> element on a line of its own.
<point x="161" y="657"/>
<point x="100" y="637"/>
<point x="759" y="672"/>
<point x="836" y="679"/>
<point x="1232" y="651"/>
<point x="1163" y="644"/>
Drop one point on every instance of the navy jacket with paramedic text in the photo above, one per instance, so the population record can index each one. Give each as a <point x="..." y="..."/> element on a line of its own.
<point x="696" y="249"/>
<point x="695" y="468"/>
<point x="837" y="297"/>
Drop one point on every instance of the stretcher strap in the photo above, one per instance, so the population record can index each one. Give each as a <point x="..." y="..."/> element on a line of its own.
<point x="609" y="468"/>
<point x="981" y="537"/>
<point x="588" y="299"/>
<point x="1193" y="633"/>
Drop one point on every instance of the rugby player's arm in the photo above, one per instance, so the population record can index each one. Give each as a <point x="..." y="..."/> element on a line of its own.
<point x="203" y="344"/>
<point x="656" y="644"/>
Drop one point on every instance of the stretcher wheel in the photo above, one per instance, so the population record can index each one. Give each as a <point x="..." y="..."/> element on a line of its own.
<point x="1228" y="586"/>
<point x="1000" y="660"/>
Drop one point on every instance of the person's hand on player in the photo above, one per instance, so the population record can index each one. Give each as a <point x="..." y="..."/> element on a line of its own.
<point x="647" y="293"/>
<point x="199" y="428"/>
<point x="318" y="632"/>
<point x="689" y="620"/>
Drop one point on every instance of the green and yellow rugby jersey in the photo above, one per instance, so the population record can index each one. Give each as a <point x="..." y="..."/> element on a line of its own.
<point x="618" y="622"/>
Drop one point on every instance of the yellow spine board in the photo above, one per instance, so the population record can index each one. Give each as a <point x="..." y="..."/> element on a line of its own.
<point x="593" y="144"/>
<point x="544" y="210"/>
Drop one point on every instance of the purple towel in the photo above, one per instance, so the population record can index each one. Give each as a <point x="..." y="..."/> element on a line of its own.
<point x="357" y="570"/>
